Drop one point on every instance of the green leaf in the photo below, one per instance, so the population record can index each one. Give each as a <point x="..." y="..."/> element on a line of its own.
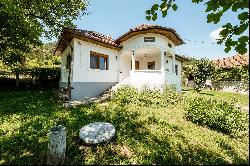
<point x="174" y="7"/>
<point x="155" y="7"/>
<point x="163" y="6"/>
<point x="148" y="18"/>
<point x="239" y="30"/>
<point x="243" y="16"/>
<point x="164" y="13"/>
<point x="243" y="39"/>
<point x="227" y="49"/>
<point x="154" y="17"/>
<point x="148" y="12"/>
<point x="235" y="8"/>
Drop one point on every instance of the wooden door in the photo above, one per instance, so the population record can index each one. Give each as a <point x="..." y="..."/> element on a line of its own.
<point x="137" y="65"/>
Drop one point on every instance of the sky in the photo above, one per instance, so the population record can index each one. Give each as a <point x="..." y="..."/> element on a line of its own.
<point x="116" y="17"/>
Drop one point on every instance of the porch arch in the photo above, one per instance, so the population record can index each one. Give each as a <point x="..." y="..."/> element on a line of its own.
<point x="145" y="55"/>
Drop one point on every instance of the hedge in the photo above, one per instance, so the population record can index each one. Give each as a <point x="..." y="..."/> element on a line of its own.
<point x="41" y="73"/>
<point x="217" y="114"/>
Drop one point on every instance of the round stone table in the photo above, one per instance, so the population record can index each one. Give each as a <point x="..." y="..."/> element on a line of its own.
<point x="98" y="132"/>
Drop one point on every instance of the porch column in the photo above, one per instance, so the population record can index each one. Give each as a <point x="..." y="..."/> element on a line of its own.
<point x="133" y="60"/>
<point x="162" y="60"/>
<point x="173" y="70"/>
<point x="163" y="73"/>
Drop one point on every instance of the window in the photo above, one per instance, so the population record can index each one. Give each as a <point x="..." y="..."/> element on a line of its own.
<point x="176" y="70"/>
<point x="98" y="61"/>
<point x="149" y="39"/>
<point x="68" y="61"/>
<point x="169" y="45"/>
<point x="151" y="65"/>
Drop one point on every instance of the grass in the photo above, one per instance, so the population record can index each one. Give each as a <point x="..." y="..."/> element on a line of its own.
<point x="243" y="99"/>
<point x="143" y="135"/>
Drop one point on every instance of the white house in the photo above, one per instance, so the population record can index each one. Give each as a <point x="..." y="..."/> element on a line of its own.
<point x="143" y="56"/>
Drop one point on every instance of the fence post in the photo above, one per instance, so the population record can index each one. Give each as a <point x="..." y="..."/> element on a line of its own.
<point x="56" y="146"/>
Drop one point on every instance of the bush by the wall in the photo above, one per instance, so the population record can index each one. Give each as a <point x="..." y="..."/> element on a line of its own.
<point x="42" y="76"/>
<point x="45" y="73"/>
<point x="217" y="114"/>
<point x="147" y="97"/>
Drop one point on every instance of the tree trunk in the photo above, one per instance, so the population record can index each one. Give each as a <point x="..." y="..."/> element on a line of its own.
<point x="56" y="146"/>
<point x="17" y="79"/>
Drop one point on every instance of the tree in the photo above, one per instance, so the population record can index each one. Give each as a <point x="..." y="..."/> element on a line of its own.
<point x="20" y="62"/>
<point x="42" y="56"/>
<point x="215" y="10"/>
<point x="24" y="22"/>
<point x="202" y="70"/>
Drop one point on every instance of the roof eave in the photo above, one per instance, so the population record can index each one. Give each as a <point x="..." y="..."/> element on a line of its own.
<point x="76" y="35"/>
<point x="118" y="40"/>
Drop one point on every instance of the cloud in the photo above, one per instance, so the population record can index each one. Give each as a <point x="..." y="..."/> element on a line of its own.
<point x="214" y="35"/>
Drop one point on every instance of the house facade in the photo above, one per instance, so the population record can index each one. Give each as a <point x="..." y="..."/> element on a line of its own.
<point x="144" y="56"/>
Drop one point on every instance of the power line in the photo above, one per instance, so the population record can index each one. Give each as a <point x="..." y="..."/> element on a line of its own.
<point x="202" y="42"/>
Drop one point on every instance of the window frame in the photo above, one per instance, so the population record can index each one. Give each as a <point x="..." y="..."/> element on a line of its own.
<point x="176" y="69"/>
<point x="151" y="63"/>
<point x="99" y="55"/>
<point x="149" y="39"/>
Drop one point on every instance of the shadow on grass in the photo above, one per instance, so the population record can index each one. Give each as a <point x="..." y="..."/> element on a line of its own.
<point x="208" y="94"/>
<point x="147" y="147"/>
<point x="28" y="145"/>
<point x="28" y="102"/>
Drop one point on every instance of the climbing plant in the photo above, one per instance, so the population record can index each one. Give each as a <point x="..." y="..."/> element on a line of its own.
<point x="237" y="73"/>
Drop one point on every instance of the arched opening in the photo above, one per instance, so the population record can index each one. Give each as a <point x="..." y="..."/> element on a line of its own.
<point x="148" y="58"/>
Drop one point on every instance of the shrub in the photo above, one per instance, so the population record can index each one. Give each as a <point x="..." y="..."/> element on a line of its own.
<point x="45" y="73"/>
<point x="218" y="115"/>
<point x="147" y="97"/>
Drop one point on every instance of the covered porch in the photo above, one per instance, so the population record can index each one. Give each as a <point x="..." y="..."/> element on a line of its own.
<point x="146" y="65"/>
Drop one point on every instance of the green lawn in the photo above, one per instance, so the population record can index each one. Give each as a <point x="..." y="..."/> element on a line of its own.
<point x="241" y="98"/>
<point x="143" y="135"/>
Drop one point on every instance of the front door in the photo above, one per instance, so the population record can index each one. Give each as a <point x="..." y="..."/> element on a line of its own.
<point x="137" y="65"/>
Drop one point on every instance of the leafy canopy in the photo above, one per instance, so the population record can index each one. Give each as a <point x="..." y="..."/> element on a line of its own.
<point x="201" y="70"/>
<point x="215" y="10"/>
<point x="23" y="22"/>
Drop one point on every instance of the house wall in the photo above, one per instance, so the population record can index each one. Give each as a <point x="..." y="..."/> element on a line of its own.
<point x="232" y="86"/>
<point x="89" y="82"/>
<point x="124" y="66"/>
<point x="171" y="77"/>
<point x="138" y="42"/>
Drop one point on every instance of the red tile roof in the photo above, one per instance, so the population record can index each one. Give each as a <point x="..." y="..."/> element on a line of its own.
<point x="94" y="35"/>
<point x="237" y="60"/>
<point x="147" y="26"/>
<point x="182" y="57"/>
<point x="143" y="27"/>
<point x="70" y="33"/>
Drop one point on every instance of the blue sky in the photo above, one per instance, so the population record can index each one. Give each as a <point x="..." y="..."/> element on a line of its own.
<point x="116" y="17"/>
